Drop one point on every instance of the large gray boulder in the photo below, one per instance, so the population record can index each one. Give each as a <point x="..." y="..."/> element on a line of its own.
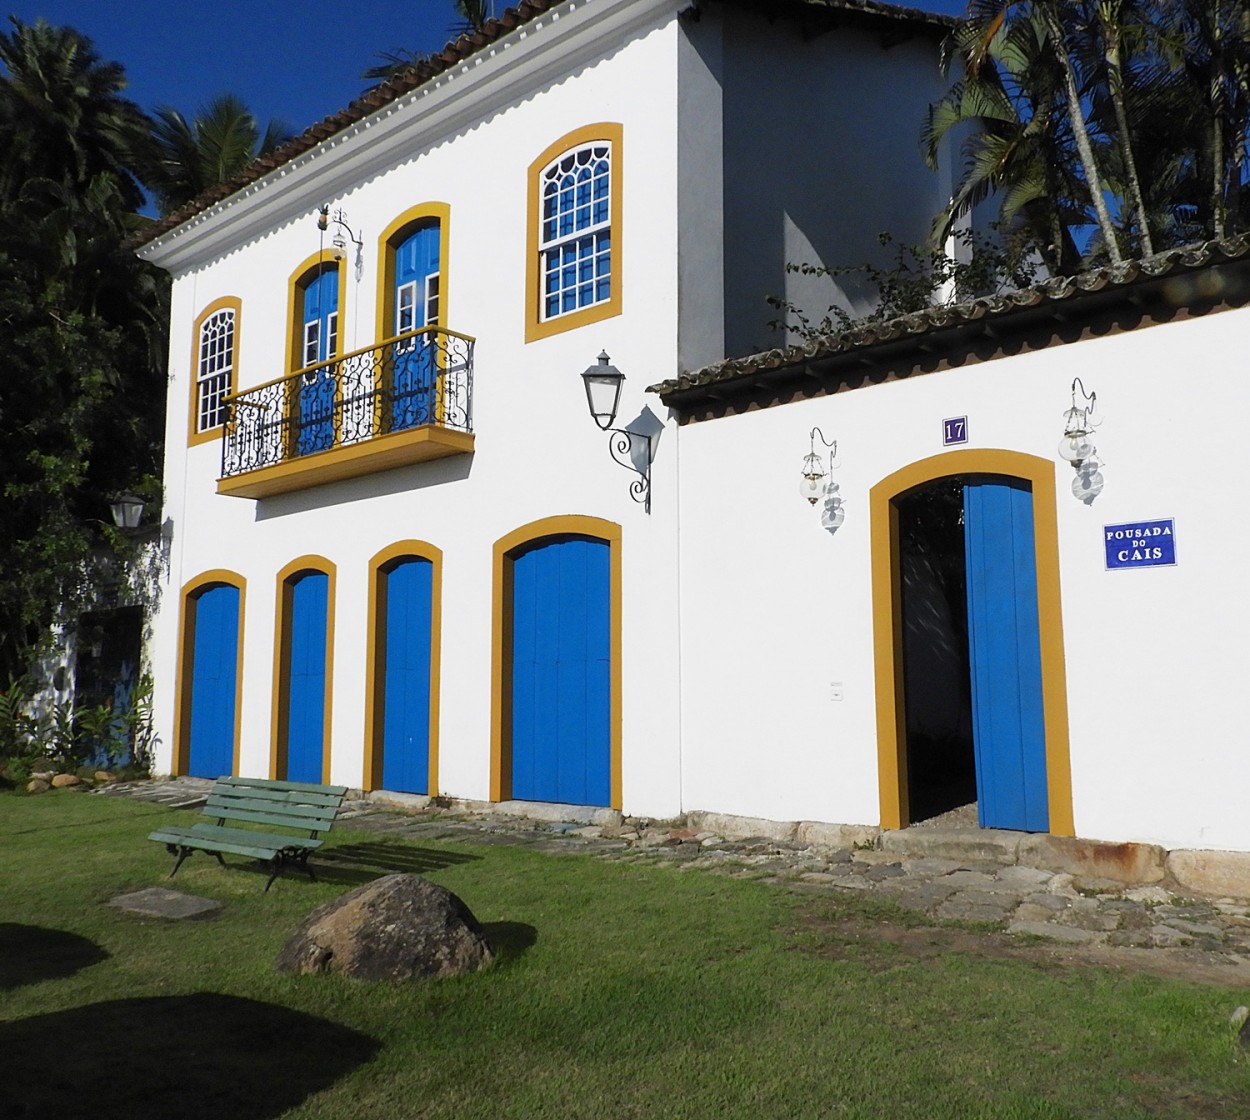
<point x="395" y="928"/>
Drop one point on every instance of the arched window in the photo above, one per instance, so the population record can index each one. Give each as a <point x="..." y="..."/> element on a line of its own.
<point x="574" y="272"/>
<point x="214" y="363"/>
<point x="314" y="317"/>
<point x="319" y="315"/>
<point x="413" y="297"/>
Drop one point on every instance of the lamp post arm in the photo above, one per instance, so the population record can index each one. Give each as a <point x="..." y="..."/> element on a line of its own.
<point x="621" y="448"/>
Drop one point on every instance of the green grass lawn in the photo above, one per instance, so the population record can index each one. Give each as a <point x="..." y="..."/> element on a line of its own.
<point x="623" y="991"/>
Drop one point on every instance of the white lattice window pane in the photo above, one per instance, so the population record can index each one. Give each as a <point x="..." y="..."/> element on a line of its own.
<point x="215" y="373"/>
<point x="406" y="308"/>
<point x="574" y="225"/>
<point x="312" y="342"/>
<point x="431" y="300"/>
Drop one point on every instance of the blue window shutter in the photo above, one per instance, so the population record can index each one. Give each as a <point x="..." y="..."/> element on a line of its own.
<point x="561" y="673"/>
<point x="406" y="705"/>
<point x="214" y="679"/>
<point x="1004" y="646"/>
<point x="306" y="685"/>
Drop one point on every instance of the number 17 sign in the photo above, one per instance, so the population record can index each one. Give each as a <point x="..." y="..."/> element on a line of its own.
<point x="954" y="430"/>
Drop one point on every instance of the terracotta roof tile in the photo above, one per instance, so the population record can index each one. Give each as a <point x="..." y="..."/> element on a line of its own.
<point x="740" y="372"/>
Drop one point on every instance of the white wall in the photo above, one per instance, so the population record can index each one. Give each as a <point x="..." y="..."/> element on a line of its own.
<point x="538" y="453"/>
<point x="821" y="154"/>
<point x="774" y="608"/>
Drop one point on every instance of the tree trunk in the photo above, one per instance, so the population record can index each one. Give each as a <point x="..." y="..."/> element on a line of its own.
<point x="1085" y="149"/>
<point x="1115" y="82"/>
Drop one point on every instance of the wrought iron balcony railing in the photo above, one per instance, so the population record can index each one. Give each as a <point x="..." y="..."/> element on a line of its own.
<point x="419" y="380"/>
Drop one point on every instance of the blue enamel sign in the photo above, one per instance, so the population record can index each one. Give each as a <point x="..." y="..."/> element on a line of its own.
<point x="1140" y="544"/>
<point x="954" y="430"/>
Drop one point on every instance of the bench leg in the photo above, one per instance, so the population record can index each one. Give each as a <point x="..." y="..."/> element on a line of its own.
<point x="182" y="853"/>
<point x="282" y="859"/>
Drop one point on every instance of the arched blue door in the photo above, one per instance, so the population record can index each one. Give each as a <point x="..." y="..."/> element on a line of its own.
<point x="561" y="673"/>
<point x="1004" y="647"/>
<point x="416" y="306"/>
<point x="406" y="703"/>
<point x="306" y="683"/>
<point x="320" y="342"/>
<point x="214" y="677"/>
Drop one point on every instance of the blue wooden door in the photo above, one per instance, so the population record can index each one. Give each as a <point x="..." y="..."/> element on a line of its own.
<point x="306" y="685"/>
<point x="214" y="681"/>
<point x="406" y="703"/>
<point x="416" y="306"/>
<point x="320" y="342"/>
<point x="1008" y="726"/>
<point x="561" y="673"/>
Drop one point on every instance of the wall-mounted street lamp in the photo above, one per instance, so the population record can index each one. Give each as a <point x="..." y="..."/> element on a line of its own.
<point x="603" y="382"/>
<point x="127" y="511"/>
<point x="1077" y="446"/>
<point x="817" y="485"/>
<point x="342" y="234"/>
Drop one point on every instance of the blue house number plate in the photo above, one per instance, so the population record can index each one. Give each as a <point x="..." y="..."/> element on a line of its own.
<point x="954" y="430"/>
<point x="1140" y="544"/>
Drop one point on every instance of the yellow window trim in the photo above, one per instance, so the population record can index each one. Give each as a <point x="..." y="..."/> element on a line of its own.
<point x="887" y="623"/>
<point x="189" y="598"/>
<point x="422" y="214"/>
<point x="574" y="525"/>
<point x="194" y="435"/>
<point x="280" y="716"/>
<point x="375" y="654"/>
<point x="535" y="326"/>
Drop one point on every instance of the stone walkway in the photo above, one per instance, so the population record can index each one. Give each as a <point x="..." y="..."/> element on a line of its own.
<point x="965" y="882"/>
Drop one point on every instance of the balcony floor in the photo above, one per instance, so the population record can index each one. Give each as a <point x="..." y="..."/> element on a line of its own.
<point x="383" y="453"/>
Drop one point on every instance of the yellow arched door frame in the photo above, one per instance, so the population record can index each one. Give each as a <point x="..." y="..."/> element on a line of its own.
<point x="189" y="597"/>
<point x="888" y="626"/>
<point x="574" y="525"/>
<point x="375" y="654"/>
<point x="280" y="711"/>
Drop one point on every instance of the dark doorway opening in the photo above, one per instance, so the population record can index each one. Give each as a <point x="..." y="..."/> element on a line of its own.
<point x="937" y="690"/>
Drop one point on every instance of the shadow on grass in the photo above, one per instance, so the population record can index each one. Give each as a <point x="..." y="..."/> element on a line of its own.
<point x="352" y="864"/>
<point x="197" y="1057"/>
<point x="359" y="863"/>
<point x="31" y="954"/>
<point x="509" y="940"/>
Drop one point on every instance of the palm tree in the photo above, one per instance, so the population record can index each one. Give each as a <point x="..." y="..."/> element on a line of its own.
<point x="1055" y="18"/>
<point x="62" y="116"/>
<point x="473" y="15"/>
<point x="1010" y="92"/>
<point x="190" y="157"/>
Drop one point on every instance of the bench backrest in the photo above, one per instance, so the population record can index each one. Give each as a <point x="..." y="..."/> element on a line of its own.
<point x="302" y="805"/>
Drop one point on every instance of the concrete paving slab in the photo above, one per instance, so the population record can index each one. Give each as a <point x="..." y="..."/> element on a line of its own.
<point x="160" y="902"/>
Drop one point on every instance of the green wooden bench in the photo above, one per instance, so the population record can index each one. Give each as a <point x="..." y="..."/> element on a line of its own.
<point x="234" y="803"/>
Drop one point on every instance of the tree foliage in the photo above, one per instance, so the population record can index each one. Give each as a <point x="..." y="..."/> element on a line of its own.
<point x="191" y="156"/>
<point x="82" y="324"/>
<point x="1107" y="129"/>
<point x="473" y="14"/>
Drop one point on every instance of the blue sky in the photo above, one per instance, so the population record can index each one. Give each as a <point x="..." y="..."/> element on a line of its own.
<point x="299" y="62"/>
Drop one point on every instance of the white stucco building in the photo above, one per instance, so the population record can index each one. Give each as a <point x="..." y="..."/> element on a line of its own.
<point x="403" y="558"/>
